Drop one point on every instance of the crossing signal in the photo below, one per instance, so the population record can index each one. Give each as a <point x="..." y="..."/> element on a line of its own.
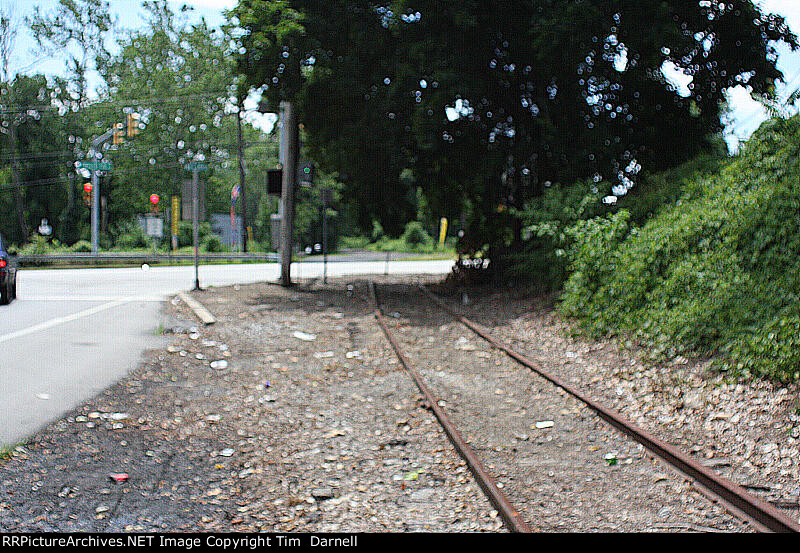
<point x="305" y="174"/>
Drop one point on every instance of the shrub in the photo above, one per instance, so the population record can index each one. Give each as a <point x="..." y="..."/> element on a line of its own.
<point x="377" y="231"/>
<point x="716" y="272"/>
<point x="185" y="236"/>
<point x="81" y="246"/>
<point x="212" y="244"/>
<point x="415" y="236"/>
<point x="128" y="235"/>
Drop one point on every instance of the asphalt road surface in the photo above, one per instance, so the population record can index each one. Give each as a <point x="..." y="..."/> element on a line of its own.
<point x="73" y="332"/>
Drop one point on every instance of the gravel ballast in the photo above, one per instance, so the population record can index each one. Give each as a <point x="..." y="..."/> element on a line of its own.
<point x="291" y="414"/>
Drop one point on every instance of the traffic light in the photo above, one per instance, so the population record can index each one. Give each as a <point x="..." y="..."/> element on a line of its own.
<point x="87" y="193"/>
<point x="154" y="202"/>
<point x="274" y="181"/>
<point x="133" y="124"/>
<point x="305" y="173"/>
<point x="119" y="137"/>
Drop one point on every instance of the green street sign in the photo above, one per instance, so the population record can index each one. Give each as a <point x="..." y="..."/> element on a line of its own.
<point x="196" y="166"/>
<point x="96" y="165"/>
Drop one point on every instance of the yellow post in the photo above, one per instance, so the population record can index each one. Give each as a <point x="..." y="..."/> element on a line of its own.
<point x="176" y="211"/>
<point x="442" y="231"/>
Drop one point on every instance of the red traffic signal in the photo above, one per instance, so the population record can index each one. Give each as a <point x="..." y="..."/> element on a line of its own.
<point x="87" y="193"/>
<point x="154" y="199"/>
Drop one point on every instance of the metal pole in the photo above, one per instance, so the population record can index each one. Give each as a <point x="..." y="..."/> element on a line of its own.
<point x="243" y="189"/>
<point x="325" y="236"/>
<point x="290" y="132"/>
<point x="95" y="210"/>
<point x="196" y="228"/>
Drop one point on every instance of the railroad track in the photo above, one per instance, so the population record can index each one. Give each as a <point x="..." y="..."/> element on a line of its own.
<point x="743" y="505"/>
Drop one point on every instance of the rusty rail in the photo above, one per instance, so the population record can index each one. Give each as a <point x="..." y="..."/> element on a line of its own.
<point x="764" y="516"/>
<point x="507" y="512"/>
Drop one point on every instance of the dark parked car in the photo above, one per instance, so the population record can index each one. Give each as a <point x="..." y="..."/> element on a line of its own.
<point x="8" y="276"/>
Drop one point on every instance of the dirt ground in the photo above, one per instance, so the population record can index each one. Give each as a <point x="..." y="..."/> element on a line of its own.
<point x="291" y="413"/>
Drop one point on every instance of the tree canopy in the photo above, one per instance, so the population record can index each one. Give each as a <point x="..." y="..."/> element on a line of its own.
<point x="483" y="105"/>
<point x="174" y="77"/>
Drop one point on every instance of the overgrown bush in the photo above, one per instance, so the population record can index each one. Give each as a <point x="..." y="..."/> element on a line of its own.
<point x="185" y="236"/>
<point x="129" y="236"/>
<point x="542" y="259"/>
<point x="716" y="272"/>
<point x="81" y="246"/>
<point x="212" y="244"/>
<point x="377" y="231"/>
<point x="415" y="235"/>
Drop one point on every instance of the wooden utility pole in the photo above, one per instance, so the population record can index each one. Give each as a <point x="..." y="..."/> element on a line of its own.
<point x="289" y="133"/>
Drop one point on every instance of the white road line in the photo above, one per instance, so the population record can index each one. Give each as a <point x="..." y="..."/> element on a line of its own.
<point x="61" y="320"/>
<point x="93" y="298"/>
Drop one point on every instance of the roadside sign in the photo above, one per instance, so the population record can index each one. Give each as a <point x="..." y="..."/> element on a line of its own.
<point x="96" y="165"/>
<point x="196" y="166"/>
<point x="155" y="227"/>
<point x="45" y="229"/>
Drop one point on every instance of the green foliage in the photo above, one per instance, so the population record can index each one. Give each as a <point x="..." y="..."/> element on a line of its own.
<point x="213" y="244"/>
<point x="129" y="236"/>
<point x="38" y="246"/>
<point x="353" y="242"/>
<point x="716" y="272"/>
<point x="655" y="190"/>
<point x="185" y="233"/>
<point x="482" y="105"/>
<point x="541" y="255"/>
<point x="377" y="231"/>
<point x="81" y="246"/>
<point x="414" y="239"/>
<point x="415" y="235"/>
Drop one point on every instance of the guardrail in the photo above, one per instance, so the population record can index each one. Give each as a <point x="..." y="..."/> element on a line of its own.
<point x="111" y="258"/>
<point x="106" y="258"/>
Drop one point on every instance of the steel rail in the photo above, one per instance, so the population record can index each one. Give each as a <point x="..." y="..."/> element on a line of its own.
<point x="507" y="512"/>
<point x="764" y="516"/>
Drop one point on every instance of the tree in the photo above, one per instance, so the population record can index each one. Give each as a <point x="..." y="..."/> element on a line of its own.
<point x="333" y="65"/>
<point x="488" y="103"/>
<point x="32" y="149"/>
<point x="177" y="79"/>
<point x="79" y="28"/>
<point x="8" y="35"/>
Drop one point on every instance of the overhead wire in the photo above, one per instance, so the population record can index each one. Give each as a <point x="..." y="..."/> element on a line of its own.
<point x="123" y="101"/>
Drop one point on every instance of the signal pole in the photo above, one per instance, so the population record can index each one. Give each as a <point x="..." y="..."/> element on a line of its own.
<point x="289" y="133"/>
<point x="95" y="210"/>
<point x="96" y="143"/>
<point x="242" y="187"/>
<point x="196" y="227"/>
<point x="195" y="167"/>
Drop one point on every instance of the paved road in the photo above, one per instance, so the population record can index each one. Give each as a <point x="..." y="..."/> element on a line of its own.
<point x="74" y="332"/>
